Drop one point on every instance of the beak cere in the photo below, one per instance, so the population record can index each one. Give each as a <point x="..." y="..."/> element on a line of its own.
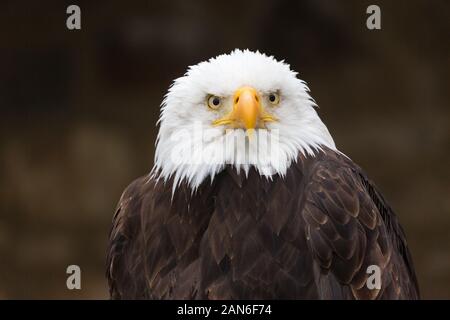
<point x="246" y="108"/>
<point x="247" y="111"/>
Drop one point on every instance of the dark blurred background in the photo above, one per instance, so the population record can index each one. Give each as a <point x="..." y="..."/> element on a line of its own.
<point x="78" y="113"/>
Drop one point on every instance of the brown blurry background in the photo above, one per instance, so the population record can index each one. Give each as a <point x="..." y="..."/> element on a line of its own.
<point x="78" y="113"/>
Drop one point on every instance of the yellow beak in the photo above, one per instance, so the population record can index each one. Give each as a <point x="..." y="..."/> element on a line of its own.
<point x="246" y="107"/>
<point x="247" y="111"/>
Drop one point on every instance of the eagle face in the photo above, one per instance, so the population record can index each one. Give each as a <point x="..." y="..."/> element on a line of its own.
<point x="241" y="109"/>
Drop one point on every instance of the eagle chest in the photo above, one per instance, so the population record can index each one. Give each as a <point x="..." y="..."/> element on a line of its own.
<point x="254" y="243"/>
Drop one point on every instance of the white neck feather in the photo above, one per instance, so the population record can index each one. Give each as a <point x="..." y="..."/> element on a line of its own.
<point x="195" y="153"/>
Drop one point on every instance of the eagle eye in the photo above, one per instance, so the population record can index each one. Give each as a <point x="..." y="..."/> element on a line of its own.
<point x="214" y="102"/>
<point x="274" y="98"/>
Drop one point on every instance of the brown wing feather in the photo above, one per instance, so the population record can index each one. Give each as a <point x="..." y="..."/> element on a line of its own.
<point x="124" y="262"/>
<point x="153" y="245"/>
<point x="349" y="227"/>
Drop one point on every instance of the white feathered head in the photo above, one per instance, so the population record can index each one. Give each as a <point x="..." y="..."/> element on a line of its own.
<point x="241" y="109"/>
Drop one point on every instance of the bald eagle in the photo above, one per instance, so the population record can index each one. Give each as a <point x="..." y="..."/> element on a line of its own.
<point x="249" y="198"/>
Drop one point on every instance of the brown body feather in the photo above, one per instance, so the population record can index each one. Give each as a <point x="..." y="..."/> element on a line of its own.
<point x="308" y="235"/>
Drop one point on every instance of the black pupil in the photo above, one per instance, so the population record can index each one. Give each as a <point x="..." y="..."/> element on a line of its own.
<point x="272" y="98"/>
<point x="216" y="101"/>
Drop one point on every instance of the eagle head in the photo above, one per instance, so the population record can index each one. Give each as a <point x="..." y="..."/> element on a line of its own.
<point x="244" y="109"/>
